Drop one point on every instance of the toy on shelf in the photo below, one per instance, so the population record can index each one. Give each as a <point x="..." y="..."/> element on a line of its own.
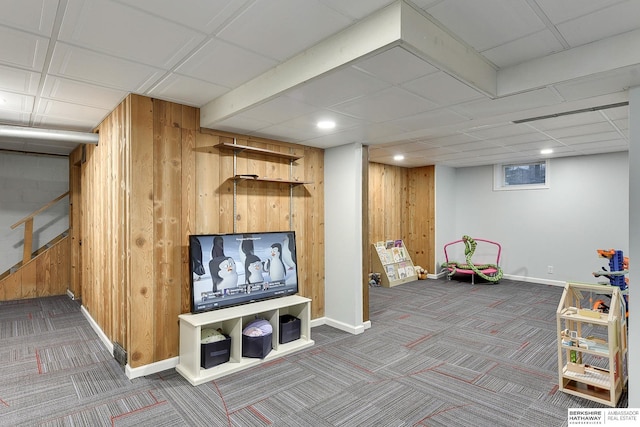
<point x="618" y="268"/>
<point x="490" y="272"/>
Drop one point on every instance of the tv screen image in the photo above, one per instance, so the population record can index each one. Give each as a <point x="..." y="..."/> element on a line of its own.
<point x="239" y="268"/>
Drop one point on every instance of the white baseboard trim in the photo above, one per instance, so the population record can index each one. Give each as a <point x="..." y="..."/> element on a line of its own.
<point x="536" y="280"/>
<point x="151" y="368"/>
<point x="513" y="277"/>
<point x="105" y="340"/>
<point x="70" y="295"/>
<point x="352" y="329"/>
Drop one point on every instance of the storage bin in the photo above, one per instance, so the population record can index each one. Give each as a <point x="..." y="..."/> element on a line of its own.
<point x="256" y="346"/>
<point x="289" y="328"/>
<point x="215" y="353"/>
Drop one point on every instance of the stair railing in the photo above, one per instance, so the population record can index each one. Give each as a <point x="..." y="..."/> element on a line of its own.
<point x="28" y="227"/>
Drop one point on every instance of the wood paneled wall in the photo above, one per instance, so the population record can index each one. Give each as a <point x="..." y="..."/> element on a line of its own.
<point x="46" y="274"/>
<point x="155" y="178"/>
<point x="402" y="206"/>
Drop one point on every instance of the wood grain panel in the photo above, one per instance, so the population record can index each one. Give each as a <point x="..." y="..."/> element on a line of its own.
<point x="140" y="328"/>
<point x="44" y="275"/>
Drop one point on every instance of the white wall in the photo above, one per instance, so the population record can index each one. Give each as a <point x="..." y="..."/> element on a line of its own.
<point x="27" y="182"/>
<point x="445" y="212"/>
<point x="343" y="237"/>
<point x="586" y="208"/>
<point x="634" y="245"/>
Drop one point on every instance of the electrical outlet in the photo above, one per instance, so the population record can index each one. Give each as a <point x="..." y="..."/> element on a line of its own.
<point x="550" y="269"/>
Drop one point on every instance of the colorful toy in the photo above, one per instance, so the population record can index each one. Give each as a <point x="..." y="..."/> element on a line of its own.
<point x="618" y="268"/>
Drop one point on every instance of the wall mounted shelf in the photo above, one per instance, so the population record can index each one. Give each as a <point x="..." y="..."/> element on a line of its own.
<point x="238" y="148"/>
<point x="256" y="178"/>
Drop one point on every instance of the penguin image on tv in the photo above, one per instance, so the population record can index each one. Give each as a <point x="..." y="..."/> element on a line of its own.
<point x="289" y="252"/>
<point x="274" y="266"/>
<point x="223" y="273"/>
<point x="218" y="247"/>
<point x="253" y="269"/>
<point x="196" y="259"/>
<point x="246" y="248"/>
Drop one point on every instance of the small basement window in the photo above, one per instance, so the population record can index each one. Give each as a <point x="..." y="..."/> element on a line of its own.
<point x="521" y="176"/>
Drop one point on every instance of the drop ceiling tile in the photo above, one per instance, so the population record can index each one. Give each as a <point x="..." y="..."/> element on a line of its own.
<point x="520" y="139"/>
<point x="514" y="103"/>
<point x="241" y="124"/>
<point x="337" y="87"/>
<point x="14" y="117"/>
<point x="239" y="65"/>
<point x="279" y="110"/>
<point x="475" y="146"/>
<point x="66" y="110"/>
<point x="536" y="45"/>
<point x="16" y="102"/>
<point x="537" y="145"/>
<point x="500" y="131"/>
<point x="17" y="80"/>
<point x="23" y="50"/>
<point x="485" y="27"/>
<point x="202" y="15"/>
<point x="440" y="117"/>
<point x="616" y="19"/>
<point x="308" y="122"/>
<point x="616" y="81"/>
<point x="261" y="27"/>
<point x="81" y="93"/>
<point x="586" y="129"/>
<point x="595" y="137"/>
<point x="357" y="9"/>
<point x="442" y="89"/>
<point x="405" y="147"/>
<point x="454" y="139"/>
<point x="565" y="10"/>
<point x="185" y="90"/>
<point x="125" y="32"/>
<point x="396" y="66"/>
<point x="37" y="18"/>
<point x="386" y="105"/>
<point x="82" y="64"/>
<point x="616" y="113"/>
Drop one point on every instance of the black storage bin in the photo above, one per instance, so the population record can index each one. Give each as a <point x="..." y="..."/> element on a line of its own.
<point x="215" y="353"/>
<point x="289" y="328"/>
<point x="256" y="346"/>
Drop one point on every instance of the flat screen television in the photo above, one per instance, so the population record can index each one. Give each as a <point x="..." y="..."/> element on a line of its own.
<point x="240" y="268"/>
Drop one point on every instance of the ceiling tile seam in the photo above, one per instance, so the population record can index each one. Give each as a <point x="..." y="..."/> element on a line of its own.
<point x="617" y="129"/>
<point x="548" y="23"/>
<point x="55" y="32"/>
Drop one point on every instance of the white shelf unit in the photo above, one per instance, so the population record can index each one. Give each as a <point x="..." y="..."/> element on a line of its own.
<point x="232" y="321"/>
<point x="607" y="346"/>
<point x="393" y="262"/>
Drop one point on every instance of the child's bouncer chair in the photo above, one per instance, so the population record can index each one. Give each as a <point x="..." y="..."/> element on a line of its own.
<point x="488" y="271"/>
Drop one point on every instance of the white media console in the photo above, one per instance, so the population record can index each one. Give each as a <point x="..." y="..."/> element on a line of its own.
<point x="232" y="321"/>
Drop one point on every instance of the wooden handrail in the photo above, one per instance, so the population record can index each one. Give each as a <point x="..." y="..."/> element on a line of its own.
<point x="42" y="209"/>
<point x="28" y="228"/>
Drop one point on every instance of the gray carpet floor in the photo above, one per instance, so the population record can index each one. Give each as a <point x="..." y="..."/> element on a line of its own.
<point x="439" y="353"/>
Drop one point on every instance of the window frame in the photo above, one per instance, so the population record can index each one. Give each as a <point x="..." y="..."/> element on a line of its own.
<point x="499" y="177"/>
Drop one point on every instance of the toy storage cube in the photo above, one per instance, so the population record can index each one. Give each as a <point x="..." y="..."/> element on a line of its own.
<point x="256" y="346"/>
<point x="289" y="328"/>
<point x="215" y="353"/>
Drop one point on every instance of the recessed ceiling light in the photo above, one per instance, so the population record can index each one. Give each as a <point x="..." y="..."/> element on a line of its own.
<point x="398" y="157"/>
<point x="546" y="151"/>
<point x="326" y="124"/>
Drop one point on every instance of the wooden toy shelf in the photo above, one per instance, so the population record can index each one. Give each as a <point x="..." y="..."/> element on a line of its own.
<point x="593" y="367"/>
